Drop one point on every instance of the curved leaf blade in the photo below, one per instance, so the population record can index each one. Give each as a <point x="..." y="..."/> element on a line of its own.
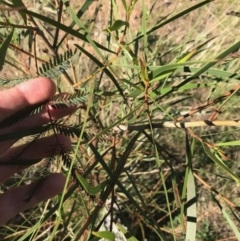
<point x="4" y="47"/>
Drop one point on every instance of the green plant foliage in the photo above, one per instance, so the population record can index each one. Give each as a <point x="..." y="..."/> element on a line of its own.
<point x="155" y="133"/>
<point x="117" y="25"/>
<point x="3" y="48"/>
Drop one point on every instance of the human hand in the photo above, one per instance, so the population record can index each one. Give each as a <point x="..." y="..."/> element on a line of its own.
<point x="12" y="100"/>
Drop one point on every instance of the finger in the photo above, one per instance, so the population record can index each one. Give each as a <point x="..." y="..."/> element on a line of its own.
<point x="36" y="151"/>
<point x="34" y="121"/>
<point x="39" y="119"/>
<point x="11" y="202"/>
<point x="28" y="93"/>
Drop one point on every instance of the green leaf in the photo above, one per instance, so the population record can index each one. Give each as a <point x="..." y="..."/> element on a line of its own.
<point x="202" y="70"/>
<point x="117" y="25"/>
<point x="4" y="47"/>
<point x="229" y="143"/>
<point x="162" y="72"/>
<point x="229" y="217"/>
<point x="124" y="4"/>
<point x="212" y="72"/>
<point x="59" y="64"/>
<point x="105" y="234"/>
<point x="231" y="223"/>
<point x="213" y="155"/>
<point x="88" y="188"/>
<point x="126" y="233"/>
<point x="95" y="239"/>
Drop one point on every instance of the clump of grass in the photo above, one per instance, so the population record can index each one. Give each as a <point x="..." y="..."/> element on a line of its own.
<point x="141" y="146"/>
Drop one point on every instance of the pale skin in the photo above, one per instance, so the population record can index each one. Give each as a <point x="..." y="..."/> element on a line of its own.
<point x="12" y="100"/>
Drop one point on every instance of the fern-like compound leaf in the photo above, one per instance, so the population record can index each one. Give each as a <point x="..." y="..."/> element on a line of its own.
<point x="22" y="114"/>
<point x="12" y="81"/>
<point x="66" y="156"/>
<point x="58" y="101"/>
<point x="67" y="130"/>
<point x="42" y="172"/>
<point x="65" y="100"/>
<point x="59" y="64"/>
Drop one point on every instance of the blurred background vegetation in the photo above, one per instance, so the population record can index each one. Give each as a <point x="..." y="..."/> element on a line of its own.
<point x="142" y="62"/>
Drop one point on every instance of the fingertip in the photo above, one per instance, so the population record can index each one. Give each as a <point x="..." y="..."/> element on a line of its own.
<point x="12" y="202"/>
<point x="43" y="89"/>
<point x="31" y="92"/>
